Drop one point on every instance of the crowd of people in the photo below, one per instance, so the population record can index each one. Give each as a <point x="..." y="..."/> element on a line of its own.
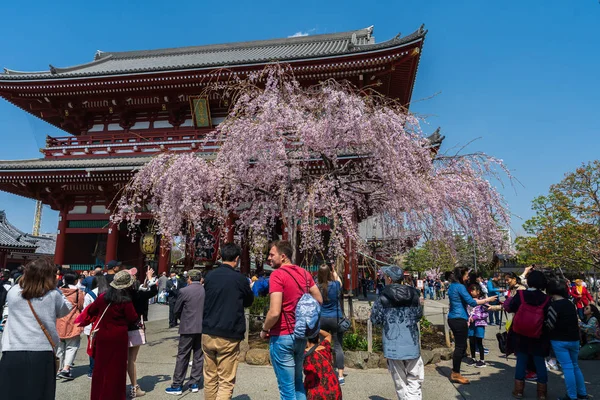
<point x="547" y="330"/>
<point x="47" y="311"/>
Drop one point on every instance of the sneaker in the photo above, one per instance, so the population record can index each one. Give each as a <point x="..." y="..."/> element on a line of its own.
<point x="480" y="364"/>
<point x="89" y="376"/>
<point x="551" y="364"/>
<point x="471" y="362"/>
<point x="174" y="390"/>
<point x="486" y="351"/>
<point x="531" y="377"/>
<point x="341" y="380"/>
<point x="64" y="374"/>
<point x="586" y="397"/>
<point x="565" y="397"/>
<point x="194" y="388"/>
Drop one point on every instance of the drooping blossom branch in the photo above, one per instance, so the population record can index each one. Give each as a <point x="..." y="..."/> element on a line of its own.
<point x="329" y="151"/>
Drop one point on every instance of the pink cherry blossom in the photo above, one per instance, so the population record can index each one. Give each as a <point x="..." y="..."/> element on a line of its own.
<point x="325" y="151"/>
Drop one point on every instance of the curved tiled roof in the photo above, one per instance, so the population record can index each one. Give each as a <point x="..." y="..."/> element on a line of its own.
<point x="222" y="55"/>
<point x="73" y="163"/>
<point x="10" y="236"/>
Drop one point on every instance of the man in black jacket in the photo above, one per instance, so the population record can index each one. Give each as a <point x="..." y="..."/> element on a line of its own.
<point x="227" y="294"/>
<point x="174" y="284"/>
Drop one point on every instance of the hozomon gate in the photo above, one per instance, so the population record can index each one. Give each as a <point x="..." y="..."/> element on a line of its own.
<point x="122" y="108"/>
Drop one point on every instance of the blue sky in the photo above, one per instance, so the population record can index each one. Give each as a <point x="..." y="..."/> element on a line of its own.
<point x="523" y="76"/>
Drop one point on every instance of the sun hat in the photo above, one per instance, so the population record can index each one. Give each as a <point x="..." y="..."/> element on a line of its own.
<point x="122" y="280"/>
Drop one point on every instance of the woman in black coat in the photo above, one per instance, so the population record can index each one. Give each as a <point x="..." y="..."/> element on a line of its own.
<point x="140" y="296"/>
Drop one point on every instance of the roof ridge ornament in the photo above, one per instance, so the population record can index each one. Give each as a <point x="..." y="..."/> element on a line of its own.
<point x="98" y="55"/>
<point x="53" y="70"/>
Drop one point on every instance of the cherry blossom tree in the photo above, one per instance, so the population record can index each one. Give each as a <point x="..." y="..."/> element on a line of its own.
<point x="294" y="153"/>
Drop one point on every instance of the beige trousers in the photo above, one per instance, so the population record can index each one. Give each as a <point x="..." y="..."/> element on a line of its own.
<point x="220" y="366"/>
<point x="408" y="378"/>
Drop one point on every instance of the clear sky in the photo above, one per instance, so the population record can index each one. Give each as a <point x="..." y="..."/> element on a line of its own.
<point x="524" y="76"/>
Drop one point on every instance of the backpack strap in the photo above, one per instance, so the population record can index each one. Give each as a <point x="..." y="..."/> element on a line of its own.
<point x="290" y="274"/>
<point x="521" y="296"/>
<point x="92" y="294"/>
<point x="312" y="349"/>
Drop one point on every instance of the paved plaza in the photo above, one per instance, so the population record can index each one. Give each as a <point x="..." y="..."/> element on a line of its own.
<point x="157" y="361"/>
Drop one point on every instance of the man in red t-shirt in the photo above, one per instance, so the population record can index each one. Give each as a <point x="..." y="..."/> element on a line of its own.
<point x="287" y="284"/>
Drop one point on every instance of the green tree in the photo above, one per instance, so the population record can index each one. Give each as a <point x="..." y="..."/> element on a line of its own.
<point x="446" y="256"/>
<point x="565" y="231"/>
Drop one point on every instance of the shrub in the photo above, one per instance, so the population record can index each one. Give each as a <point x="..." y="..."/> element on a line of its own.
<point x="260" y="306"/>
<point x="354" y="341"/>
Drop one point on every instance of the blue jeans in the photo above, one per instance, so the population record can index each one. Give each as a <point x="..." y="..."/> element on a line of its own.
<point x="91" y="369"/>
<point x="566" y="354"/>
<point x="287" y="355"/>
<point x="431" y="293"/>
<point x="540" y="366"/>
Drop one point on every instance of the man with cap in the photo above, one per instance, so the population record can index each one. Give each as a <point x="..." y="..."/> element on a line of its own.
<point x="113" y="267"/>
<point x="189" y="308"/>
<point x="399" y="310"/>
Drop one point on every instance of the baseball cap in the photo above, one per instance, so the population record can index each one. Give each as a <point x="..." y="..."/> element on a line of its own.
<point x="394" y="272"/>
<point x="194" y="273"/>
<point x="113" y="263"/>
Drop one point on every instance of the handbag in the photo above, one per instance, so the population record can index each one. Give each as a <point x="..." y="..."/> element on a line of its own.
<point x="137" y="337"/>
<point x="56" y="359"/>
<point x="502" y="337"/>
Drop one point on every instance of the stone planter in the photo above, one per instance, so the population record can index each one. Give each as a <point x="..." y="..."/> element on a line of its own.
<point x="258" y="357"/>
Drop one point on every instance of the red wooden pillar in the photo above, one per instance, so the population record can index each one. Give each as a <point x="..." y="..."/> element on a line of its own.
<point x="111" y="243"/>
<point x="61" y="237"/>
<point x="245" y="258"/>
<point x="230" y="228"/>
<point x="350" y="278"/>
<point x="284" y="233"/>
<point x="3" y="258"/>
<point x="164" y="257"/>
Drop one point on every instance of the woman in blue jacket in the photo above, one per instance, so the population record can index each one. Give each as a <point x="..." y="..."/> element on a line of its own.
<point x="458" y="317"/>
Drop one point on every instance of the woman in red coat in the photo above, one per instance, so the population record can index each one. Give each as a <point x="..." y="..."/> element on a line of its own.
<point x="582" y="297"/>
<point x="112" y="312"/>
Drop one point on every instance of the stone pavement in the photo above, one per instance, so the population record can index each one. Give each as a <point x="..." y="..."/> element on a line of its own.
<point x="157" y="360"/>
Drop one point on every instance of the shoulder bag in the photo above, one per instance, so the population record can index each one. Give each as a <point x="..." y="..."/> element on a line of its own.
<point x="94" y="331"/>
<point x="47" y="334"/>
<point x="137" y="337"/>
<point x="343" y="323"/>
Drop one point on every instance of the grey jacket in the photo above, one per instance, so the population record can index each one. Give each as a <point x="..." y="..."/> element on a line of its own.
<point x="399" y="310"/>
<point x="22" y="331"/>
<point x="190" y="308"/>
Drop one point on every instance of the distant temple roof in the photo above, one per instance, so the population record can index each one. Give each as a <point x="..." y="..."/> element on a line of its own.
<point x="77" y="163"/>
<point x="223" y="55"/>
<point x="12" y="237"/>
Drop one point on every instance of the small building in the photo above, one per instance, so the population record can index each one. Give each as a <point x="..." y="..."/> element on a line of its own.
<point x="19" y="248"/>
